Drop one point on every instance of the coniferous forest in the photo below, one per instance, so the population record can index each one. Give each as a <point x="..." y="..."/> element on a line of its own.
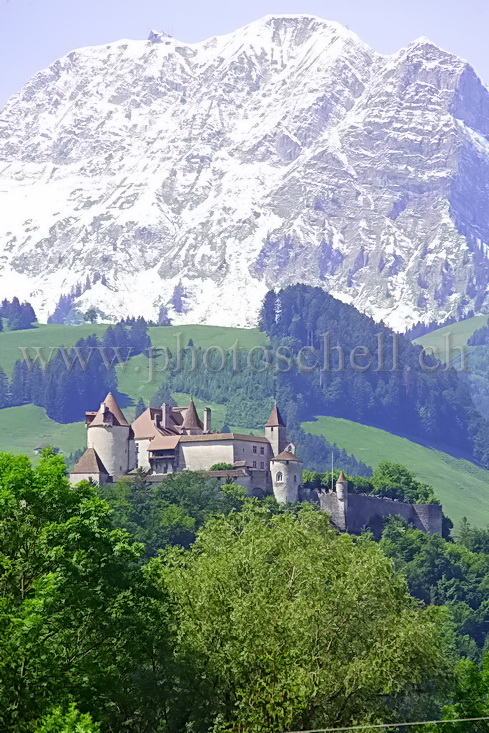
<point x="307" y="367"/>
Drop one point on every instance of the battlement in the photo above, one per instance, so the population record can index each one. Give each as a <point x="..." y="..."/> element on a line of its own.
<point x="361" y="510"/>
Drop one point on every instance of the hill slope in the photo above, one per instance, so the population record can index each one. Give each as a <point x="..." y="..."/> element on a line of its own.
<point x="461" y="486"/>
<point x="457" y="333"/>
<point x="197" y="176"/>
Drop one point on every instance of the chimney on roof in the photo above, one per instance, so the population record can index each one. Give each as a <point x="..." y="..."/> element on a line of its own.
<point x="165" y="415"/>
<point x="207" y="420"/>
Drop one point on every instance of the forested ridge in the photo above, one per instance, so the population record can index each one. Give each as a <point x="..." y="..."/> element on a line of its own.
<point x="411" y="394"/>
<point x="307" y="367"/>
<point x="73" y="380"/>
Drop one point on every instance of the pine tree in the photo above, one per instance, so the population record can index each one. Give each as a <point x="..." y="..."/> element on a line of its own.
<point x="140" y="407"/>
<point x="4" y="389"/>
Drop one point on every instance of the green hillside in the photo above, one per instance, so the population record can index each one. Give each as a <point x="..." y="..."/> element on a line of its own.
<point x="53" y="336"/>
<point x="206" y="336"/>
<point x="24" y="428"/>
<point x="459" y="334"/>
<point x="140" y="377"/>
<point x="461" y="486"/>
<point x="47" y="336"/>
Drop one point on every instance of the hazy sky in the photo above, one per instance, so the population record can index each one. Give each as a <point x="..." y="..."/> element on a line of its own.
<point x="33" y="33"/>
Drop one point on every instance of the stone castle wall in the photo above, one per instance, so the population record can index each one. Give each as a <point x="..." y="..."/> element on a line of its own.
<point x="360" y="510"/>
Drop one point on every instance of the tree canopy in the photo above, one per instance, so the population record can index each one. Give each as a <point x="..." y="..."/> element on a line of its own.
<point x="78" y="612"/>
<point x="288" y="624"/>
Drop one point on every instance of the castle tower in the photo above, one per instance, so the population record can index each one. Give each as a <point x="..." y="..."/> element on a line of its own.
<point x="342" y="495"/>
<point x="286" y="471"/>
<point x="275" y="432"/>
<point x="109" y="434"/>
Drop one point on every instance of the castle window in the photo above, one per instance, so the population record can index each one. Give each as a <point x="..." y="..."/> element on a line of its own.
<point x="254" y="464"/>
<point x="262" y="450"/>
<point x="295" y="479"/>
<point x="280" y="476"/>
<point x="254" y="449"/>
<point x="262" y="465"/>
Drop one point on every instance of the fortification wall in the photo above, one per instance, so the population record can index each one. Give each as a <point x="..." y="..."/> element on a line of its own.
<point x="360" y="510"/>
<point x="428" y="517"/>
<point x="336" y="509"/>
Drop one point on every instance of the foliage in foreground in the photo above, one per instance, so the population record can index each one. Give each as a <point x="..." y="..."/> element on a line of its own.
<point x="269" y="621"/>
<point x="292" y="626"/>
<point x="446" y="573"/>
<point x="171" y="512"/>
<point x="78" y="615"/>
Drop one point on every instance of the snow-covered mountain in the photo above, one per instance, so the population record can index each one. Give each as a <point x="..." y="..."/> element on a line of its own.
<point x="198" y="176"/>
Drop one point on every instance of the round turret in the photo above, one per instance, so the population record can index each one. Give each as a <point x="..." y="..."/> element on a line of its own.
<point x="286" y="471"/>
<point x="108" y="434"/>
<point x="342" y="488"/>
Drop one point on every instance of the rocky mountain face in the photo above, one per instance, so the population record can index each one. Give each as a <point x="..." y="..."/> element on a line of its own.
<point x="157" y="173"/>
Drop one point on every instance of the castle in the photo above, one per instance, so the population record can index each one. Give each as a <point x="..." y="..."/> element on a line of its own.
<point x="165" y="440"/>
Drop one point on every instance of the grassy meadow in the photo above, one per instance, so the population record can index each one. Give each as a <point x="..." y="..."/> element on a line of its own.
<point x="461" y="486"/>
<point x="458" y="333"/>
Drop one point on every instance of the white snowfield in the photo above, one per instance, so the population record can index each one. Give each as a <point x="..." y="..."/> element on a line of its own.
<point x="199" y="176"/>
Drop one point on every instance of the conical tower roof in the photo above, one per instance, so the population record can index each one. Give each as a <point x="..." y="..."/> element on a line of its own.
<point x="90" y="463"/>
<point x="341" y="478"/>
<point x="275" y="419"/>
<point x="286" y="455"/>
<point x="110" y="405"/>
<point x="191" y="420"/>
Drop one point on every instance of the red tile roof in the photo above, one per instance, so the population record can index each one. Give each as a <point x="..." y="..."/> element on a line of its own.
<point x="286" y="456"/>
<point x="90" y="463"/>
<point x="191" y="419"/>
<point x="275" y="419"/>
<point x="145" y="425"/>
<point x="164" y="442"/>
<point x="109" y="411"/>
